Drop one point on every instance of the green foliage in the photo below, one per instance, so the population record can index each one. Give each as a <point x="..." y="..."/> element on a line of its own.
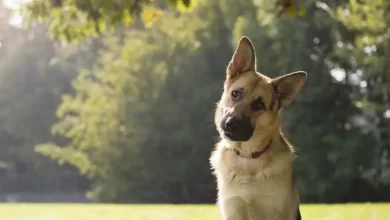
<point x="368" y="54"/>
<point x="127" y="110"/>
<point x="146" y="109"/>
<point x="138" y="119"/>
<point x="31" y="81"/>
<point x="72" y="20"/>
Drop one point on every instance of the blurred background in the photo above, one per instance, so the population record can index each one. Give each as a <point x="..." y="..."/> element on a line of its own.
<point x="113" y="101"/>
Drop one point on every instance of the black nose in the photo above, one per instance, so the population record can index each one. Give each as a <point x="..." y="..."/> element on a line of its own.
<point x="237" y="129"/>
<point x="231" y="124"/>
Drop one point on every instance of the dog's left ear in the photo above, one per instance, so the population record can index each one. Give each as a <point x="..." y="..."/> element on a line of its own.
<point x="288" y="86"/>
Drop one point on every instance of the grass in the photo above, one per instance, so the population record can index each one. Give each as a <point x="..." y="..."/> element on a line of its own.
<point x="367" y="211"/>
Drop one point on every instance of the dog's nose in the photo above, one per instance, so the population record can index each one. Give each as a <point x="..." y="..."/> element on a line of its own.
<point x="230" y="124"/>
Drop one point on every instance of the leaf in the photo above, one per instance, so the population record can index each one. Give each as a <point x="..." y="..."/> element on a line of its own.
<point x="116" y="17"/>
<point x="186" y="5"/>
<point x="186" y="2"/>
<point x="127" y="19"/>
<point x="291" y="12"/>
<point x="302" y="11"/>
<point x="150" y="15"/>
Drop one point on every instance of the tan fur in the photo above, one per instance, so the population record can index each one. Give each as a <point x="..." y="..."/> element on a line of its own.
<point x="260" y="188"/>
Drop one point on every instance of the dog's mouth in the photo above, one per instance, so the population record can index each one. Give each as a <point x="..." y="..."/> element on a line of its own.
<point x="239" y="137"/>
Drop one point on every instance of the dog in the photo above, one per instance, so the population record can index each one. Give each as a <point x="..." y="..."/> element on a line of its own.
<point x="253" y="160"/>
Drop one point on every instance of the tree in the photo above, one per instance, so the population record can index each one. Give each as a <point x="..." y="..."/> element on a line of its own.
<point x="140" y="122"/>
<point x="31" y="87"/>
<point x="136" y="114"/>
<point x="366" y="53"/>
<point x="74" y="20"/>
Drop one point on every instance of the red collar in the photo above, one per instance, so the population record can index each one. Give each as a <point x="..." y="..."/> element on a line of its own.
<point x="255" y="154"/>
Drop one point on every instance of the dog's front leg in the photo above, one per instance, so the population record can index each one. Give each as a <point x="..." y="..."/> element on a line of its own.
<point x="234" y="208"/>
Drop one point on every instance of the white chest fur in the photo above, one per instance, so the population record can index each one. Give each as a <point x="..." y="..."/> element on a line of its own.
<point x="253" y="188"/>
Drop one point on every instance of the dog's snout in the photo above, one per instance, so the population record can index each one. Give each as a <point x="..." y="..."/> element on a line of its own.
<point x="231" y="124"/>
<point x="237" y="129"/>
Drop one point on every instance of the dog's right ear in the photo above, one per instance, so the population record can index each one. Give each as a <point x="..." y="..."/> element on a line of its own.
<point x="243" y="60"/>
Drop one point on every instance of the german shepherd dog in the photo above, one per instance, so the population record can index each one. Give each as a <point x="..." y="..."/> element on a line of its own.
<point x="253" y="161"/>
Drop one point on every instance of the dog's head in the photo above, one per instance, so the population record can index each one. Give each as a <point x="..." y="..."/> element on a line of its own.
<point x="251" y="102"/>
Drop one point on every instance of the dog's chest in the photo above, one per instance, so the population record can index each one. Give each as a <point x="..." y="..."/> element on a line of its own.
<point x="253" y="185"/>
<point x="263" y="186"/>
<point x="262" y="195"/>
<point x="257" y="176"/>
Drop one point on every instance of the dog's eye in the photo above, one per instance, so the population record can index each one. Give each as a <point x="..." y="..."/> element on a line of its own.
<point x="236" y="94"/>
<point x="258" y="105"/>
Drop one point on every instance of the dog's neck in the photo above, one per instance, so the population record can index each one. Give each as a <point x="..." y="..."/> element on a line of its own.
<point x="254" y="154"/>
<point x="257" y="147"/>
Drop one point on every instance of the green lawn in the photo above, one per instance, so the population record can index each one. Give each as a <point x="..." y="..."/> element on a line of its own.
<point x="175" y="212"/>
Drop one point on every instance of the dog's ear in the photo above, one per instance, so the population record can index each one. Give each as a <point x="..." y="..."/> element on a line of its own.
<point x="288" y="86"/>
<point x="243" y="60"/>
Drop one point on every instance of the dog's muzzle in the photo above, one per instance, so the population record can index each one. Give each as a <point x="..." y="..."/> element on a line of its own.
<point x="237" y="129"/>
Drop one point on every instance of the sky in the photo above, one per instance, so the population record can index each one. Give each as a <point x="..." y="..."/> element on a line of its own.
<point x="11" y="3"/>
<point x="14" y="4"/>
